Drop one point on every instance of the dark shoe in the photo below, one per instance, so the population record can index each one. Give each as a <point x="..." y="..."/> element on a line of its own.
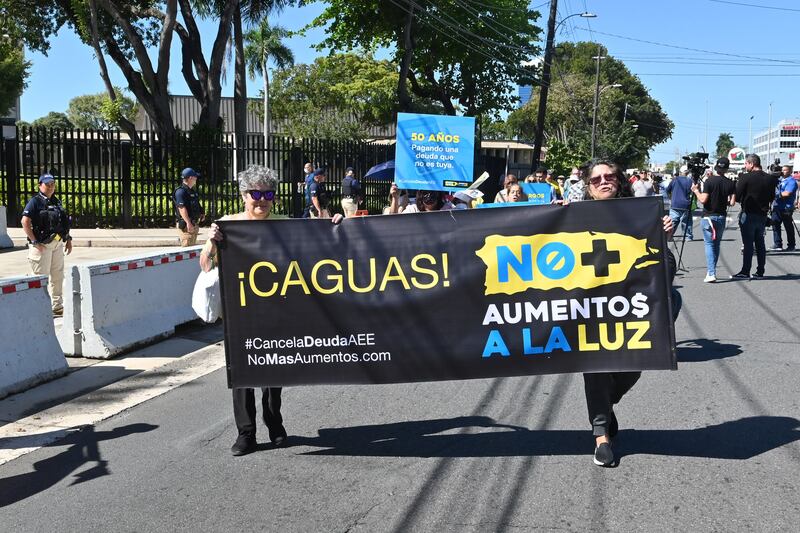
<point x="792" y="249"/>
<point x="613" y="425"/>
<point x="244" y="444"/>
<point x="278" y="436"/>
<point x="740" y="275"/>
<point x="603" y="455"/>
<point x="758" y="275"/>
<point x="280" y="442"/>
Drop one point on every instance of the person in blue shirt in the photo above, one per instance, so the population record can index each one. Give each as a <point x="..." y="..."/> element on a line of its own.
<point x="783" y="209"/>
<point x="680" y="211"/>
<point x="309" y="171"/>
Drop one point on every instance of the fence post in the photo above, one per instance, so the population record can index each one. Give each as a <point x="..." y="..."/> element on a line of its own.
<point x="10" y="147"/>
<point x="125" y="167"/>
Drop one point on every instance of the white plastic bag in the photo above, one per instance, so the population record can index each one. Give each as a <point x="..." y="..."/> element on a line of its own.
<point x="206" y="298"/>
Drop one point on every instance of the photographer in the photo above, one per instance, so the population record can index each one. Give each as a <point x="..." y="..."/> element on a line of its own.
<point x="783" y="209"/>
<point x="755" y="190"/>
<point x="716" y="194"/>
<point x="680" y="210"/>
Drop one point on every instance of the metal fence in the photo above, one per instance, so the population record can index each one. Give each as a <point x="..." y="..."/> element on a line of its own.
<point x="106" y="180"/>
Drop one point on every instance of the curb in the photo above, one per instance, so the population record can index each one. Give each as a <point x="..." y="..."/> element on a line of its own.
<point x="134" y="242"/>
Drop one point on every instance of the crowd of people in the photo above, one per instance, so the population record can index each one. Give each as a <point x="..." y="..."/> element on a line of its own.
<point x="765" y="198"/>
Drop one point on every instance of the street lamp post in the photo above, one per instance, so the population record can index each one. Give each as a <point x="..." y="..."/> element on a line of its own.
<point x="597" y="92"/>
<point x="548" y="59"/>
<point x="750" y="133"/>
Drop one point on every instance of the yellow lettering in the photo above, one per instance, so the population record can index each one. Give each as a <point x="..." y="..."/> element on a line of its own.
<point x="619" y="336"/>
<point x="426" y="271"/>
<point x="351" y="279"/>
<point x="640" y="328"/>
<point x="583" y="345"/>
<point x="399" y="276"/>
<point x="339" y="284"/>
<point x="253" y="269"/>
<point x="288" y="281"/>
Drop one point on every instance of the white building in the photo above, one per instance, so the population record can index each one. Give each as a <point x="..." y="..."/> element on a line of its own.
<point x="781" y="142"/>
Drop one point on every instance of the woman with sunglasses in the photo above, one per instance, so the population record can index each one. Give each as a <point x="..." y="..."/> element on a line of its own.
<point x="605" y="180"/>
<point x="258" y="187"/>
<point x="425" y="201"/>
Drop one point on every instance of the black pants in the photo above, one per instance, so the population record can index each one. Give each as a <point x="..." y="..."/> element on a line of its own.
<point x="244" y="411"/>
<point x="782" y="218"/>
<point x="602" y="392"/>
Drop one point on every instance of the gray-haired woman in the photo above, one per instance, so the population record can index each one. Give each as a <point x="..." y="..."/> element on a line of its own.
<point x="258" y="187"/>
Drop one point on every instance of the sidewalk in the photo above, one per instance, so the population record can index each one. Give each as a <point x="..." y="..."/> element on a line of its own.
<point x="95" y="390"/>
<point x="90" y="245"/>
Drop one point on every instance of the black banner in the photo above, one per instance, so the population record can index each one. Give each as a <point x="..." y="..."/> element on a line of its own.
<point x="447" y="295"/>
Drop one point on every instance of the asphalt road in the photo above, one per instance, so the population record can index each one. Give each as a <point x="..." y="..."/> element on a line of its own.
<point x="711" y="447"/>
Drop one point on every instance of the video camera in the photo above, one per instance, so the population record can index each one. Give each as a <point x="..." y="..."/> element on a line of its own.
<point x="775" y="167"/>
<point x="696" y="163"/>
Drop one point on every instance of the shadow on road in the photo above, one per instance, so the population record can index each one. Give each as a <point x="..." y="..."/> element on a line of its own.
<point x="82" y="449"/>
<point x="738" y="439"/>
<point x="698" y="350"/>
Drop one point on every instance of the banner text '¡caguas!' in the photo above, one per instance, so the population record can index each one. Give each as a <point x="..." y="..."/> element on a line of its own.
<point x="329" y="276"/>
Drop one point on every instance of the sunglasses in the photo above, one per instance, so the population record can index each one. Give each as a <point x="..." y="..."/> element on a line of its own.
<point x="430" y="197"/>
<point x="257" y="195"/>
<point x="610" y="178"/>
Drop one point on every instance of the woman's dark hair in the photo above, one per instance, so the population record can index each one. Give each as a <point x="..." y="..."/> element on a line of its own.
<point x="624" y="187"/>
<point x="439" y="195"/>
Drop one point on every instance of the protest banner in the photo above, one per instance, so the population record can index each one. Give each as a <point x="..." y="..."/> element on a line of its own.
<point x="538" y="193"/>
<point x="434" y="152"/>
<point x="447" y="295"/>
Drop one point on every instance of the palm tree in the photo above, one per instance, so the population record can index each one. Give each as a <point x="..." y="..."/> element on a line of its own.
<point x="264" y="43"/>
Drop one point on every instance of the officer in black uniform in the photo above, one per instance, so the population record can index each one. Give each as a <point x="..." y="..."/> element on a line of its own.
<point x="351" y="193"/>
<point x="188" y="211"/>
<point x="46" y="224"/>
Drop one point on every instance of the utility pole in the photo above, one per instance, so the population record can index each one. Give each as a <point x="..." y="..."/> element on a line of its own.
<point x="548" y="59"/>
<point x="769" y="137"/>
<point x="596" y="97"/>
<point x="705" y="146"/>
<point x="750" y="133"/>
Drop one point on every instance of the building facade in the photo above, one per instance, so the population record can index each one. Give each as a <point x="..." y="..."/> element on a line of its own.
<point x="781" y="142"/>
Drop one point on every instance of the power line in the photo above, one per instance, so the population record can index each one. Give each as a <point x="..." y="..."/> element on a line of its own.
<point x="707" y="75"/>
<point x="693" y="49"/>
<point x="754" y="5"/>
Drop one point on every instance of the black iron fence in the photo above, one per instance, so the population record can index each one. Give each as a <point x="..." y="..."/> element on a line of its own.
<point x="107" y="180"/>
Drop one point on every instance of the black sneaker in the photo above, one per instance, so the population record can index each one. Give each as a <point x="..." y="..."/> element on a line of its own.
<point x="603" y="455"/>
<point x="792" y="249"/>
<point x="758" y="275"/>
<point x="740" y="275"/>
<point x="280" y="442"/>
<point x="244" y="444"/>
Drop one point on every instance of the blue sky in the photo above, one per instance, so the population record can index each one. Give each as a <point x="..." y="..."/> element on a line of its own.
<point x="727" y="58"/>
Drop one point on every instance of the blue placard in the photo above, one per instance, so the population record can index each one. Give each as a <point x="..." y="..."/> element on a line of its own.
<point x="538" y="193"/>
<point x="434" y="152"/>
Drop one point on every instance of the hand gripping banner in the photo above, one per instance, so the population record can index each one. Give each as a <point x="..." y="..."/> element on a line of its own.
<point x="447" y="295"/>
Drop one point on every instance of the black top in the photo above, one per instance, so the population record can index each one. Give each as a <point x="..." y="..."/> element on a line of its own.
<point x="755" y="191"/>
<point x="187" y="197"/>
<point x="48" y="218"/>
<point x="317" y="190"/>
<point x="718" y="189"/>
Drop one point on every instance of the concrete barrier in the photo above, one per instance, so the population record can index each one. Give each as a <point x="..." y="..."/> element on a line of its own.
<point x="111" y="308"/>
<point x="29" y="351"/>
<point x="5" y="239"/>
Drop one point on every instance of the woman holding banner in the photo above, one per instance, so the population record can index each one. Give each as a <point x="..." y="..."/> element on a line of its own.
<point x="603" y="390"/>
<point x="258" y="187"/>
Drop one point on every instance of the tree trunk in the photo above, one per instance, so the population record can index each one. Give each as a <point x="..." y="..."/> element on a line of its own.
<point x="404" y="99"/>
<point x="266" y="102"/>
<point x="239" y="91"/>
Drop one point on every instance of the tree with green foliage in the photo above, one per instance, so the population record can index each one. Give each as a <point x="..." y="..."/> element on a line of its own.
<point x="265" y="43"/>
<point x="55" y="120"/>
<point x="724" y="144"/>
<point x="337" y="97"/>
<point x="13" y="73"/>
<point x="127" y="32"/>
<point x="629" y="121"/>
<point x="464" y="55"/>
<point x="98" y="111"/>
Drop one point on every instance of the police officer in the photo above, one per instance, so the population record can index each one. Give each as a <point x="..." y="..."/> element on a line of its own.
<point x="188" y="211"/>
<point x="351" y="193"/>
<point x="318" y="195"/>
<point x="46" y="225"/>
